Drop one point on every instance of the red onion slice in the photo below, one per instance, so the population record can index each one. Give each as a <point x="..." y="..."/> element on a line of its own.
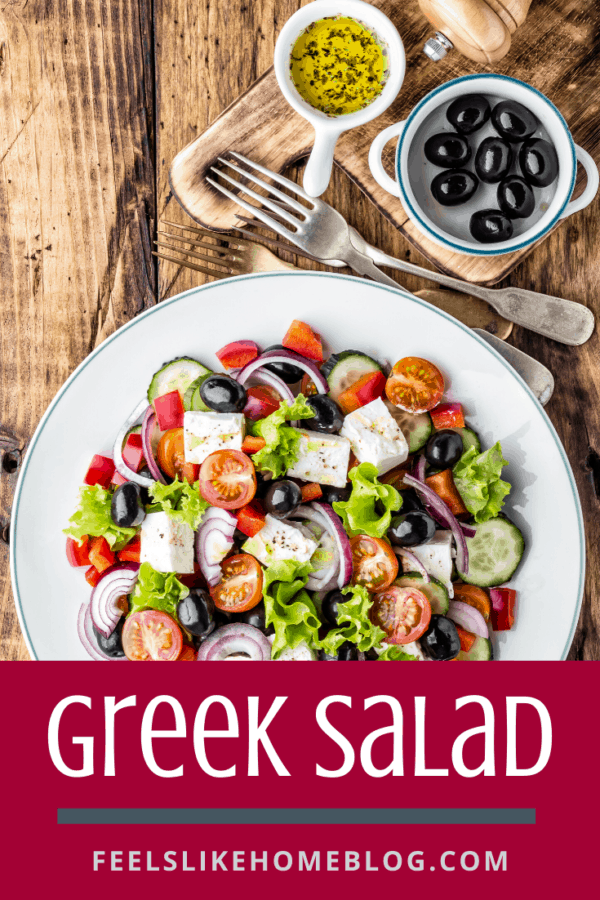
<point x="336" y="527"/>
<point x="214" y="540"/>
<point x="86" y="636"/>
<point x="263" y="376"/>
<point x="148" y="424"/>
<point x="120" y="465"/>
<point x="321" y="577"/>
<point x="441" y="519"/>
<point x="116" y="582"/>
<point x="414" y="561"/>
<point x="437" y="504"/>
<point x="468" y="618"/>
<point x="235" y="639"/>
<point x="285" y="356"/>
<point x="420" y="468"/>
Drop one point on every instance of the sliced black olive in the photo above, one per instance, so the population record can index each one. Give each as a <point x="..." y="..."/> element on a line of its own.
<point x="490" y="226"/>
<point x="444" y="449"/>
<point x="441" y="640"/>
<point x="515" y="197"/>
<point x="539" y="162"/>
<point x="469" y="114"/>
<point x="448" y="150"/>
<point x="410" y="500"/>
<point x="111" y="645"/>
<point x="330" y="604"/>
<point x="256" y="617"/>
<point x="196" y="612"/>
<point x="347" y="652"/>
<point x="328" y="417"/>
<point x="126" y="507"/>
<point x="282" y="498"/>
<point x="335" y="494"/>
<point x="411" y="528"/>
<point x="454" y="187"/>
<point x="513" y="121"/>
<point x="288" y="372"/>
<point x="493" y="159"/>
<point x="223" y="394"/>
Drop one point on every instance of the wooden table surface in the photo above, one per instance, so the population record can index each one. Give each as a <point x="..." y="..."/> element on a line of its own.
<point x="96" y="97"/>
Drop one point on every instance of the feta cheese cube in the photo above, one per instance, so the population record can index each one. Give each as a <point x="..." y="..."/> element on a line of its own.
<point x="206" y="432"/>
<point x="279" y="540"/>
<point x="437" y="557"/>
<point x="375" y="436"/>
<point x="167" y="545"/>
<point x="322" y="458"/>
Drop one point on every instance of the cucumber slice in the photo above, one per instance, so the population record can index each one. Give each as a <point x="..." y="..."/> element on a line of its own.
<point x="469" y="439"/>
<point x="192" y="398"/>
<point x="481" y="650"/>
<point x="344" y="369"/>
<point x="435" y="591"/>
<point x="494" y="553"/>
<point x="416" y="429"/>
<point x="176" y="375"/>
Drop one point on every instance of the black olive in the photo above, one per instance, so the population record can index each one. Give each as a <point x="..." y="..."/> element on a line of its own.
<point x="327" y="657"/>
<point x="448" y="150"/>
<point x="126" y="507"/>
<point x="335" y="494"/>
<point x="256" y="618"/>
<point x="348" y="651"/>
<point x="328" y="416"/>
<point x="329" y="606"/>
<point x="539" y="162"/>
<point x="411" y="528"/>
<point x="490" y="226"/>
<point x="493" y="159"/>
<point x="454" y="187"/>
<point x="288" y="372"/>
<point x="263" y="483"/>
<point x="515" y="197"/>
<point x="441" y="640"/>
<point x="112" y="645"/>
<point x="410" y="501"/>
<point x="196" y="612"/>
<point x="469" y="114"/>
<point x="282" y="498"/>
<point x="223" y="394"/>
<point x="144" y="493"/>
<point x="444" y="449"/>
<point x="239" y="537"/>
<point x="513" y="121"/>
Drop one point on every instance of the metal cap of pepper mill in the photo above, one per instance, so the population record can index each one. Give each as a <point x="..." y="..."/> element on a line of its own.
<point x="437" y="47"/>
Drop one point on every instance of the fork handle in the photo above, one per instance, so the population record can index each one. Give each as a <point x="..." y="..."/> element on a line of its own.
<point x="562" y="320"/>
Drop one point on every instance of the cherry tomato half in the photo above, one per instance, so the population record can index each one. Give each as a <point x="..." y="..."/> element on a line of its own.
<point x="374" y="563"/>
<point x="241" y="585"/>
<point x="171" y="457"/>
<point x="403" y="613"/>
<point x="415" y="385"/>
<point x="151" y="635"/>
<point x="227" y="479"/>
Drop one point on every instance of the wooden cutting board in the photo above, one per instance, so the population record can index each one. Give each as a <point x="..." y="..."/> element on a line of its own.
<point x="556" y="50"/>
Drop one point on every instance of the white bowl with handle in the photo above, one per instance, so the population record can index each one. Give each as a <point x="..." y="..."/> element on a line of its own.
<point x="448" y="226"/>
<point x="328" y="128"/>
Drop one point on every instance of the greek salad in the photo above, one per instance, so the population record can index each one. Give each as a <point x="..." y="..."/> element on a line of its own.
<point x="282" y="506"/>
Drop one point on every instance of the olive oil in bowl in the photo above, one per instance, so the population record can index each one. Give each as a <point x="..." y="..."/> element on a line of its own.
<point x="338" y="65"/>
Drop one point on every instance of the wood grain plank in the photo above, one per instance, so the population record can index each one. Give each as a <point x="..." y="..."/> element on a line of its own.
<point x="76" y="205"/>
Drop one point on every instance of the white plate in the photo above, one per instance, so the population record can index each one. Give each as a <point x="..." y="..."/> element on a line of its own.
<point x="349" y="313"/>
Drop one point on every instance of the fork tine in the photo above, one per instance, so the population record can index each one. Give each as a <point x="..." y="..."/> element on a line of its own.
<point x="254" y="222"/>
<point x="223" y="251"/>
<point x="204" y="231"/>
<point x="224" y="264"/>
<point x="264" y="201"/>
<point x="189" y="265"/>
<point x="280" y="179"/>
<point x="291" y="248"/>
<point x="267" y="220"/>
<point x="288" y="201"/>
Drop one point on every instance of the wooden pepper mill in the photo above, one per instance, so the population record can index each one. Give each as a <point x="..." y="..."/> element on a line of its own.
<point x="479" y="29"/>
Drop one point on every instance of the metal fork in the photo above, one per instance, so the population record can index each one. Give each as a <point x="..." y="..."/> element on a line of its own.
<point x="320" y="230"/>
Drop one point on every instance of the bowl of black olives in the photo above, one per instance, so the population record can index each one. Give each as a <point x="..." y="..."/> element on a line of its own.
<point x="485" y="165"/>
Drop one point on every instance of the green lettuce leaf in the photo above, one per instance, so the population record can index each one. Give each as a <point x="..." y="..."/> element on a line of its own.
<point x="180" y="500"/>
<point x="477" y="477"/>
<point x="93" y="517"/>
<point x="281" y="448"/>
<point x="395" y="653"/>
<point x="359" y="513"/>
<point x="157" y="590"/>
<point x="354" y="622"/>
<point x="288" y="606"/>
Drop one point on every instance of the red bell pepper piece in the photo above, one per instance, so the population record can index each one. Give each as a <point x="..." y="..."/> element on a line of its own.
<point x="262" y="401"/>
<point x="368" y="388"/>
<point x="188" y="654"/>
<point x="131" y="552"/>
<point x="252" y="444"/>
<point x="467" y="639"/>
<point x="502" y="615"/>
<point x="100" y="471"/>
<point x="251" y="518"/>
<point x="78" y="554"/>
<point x="133" y="456"/>
<point x="447" y="415"/>
<point x="303" y="340"/>
<point x="311" y="491"/>
<point x="443" y="484"/>
<point x="101" y="556"/>
<point x="93" y="576"/>
<point x="237" y="354"/>
<point x="169" y="411"/>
